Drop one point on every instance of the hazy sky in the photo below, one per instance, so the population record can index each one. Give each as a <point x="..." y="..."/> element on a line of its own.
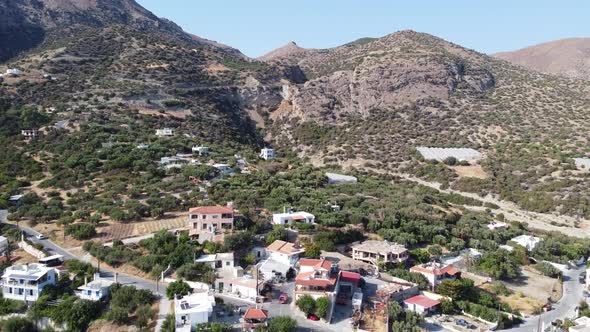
<point x="258" y="26"/>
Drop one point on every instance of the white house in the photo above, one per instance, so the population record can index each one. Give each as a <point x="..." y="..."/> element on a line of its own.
<point x="217" y="261"/>
<point x="421" y="304"/>
<point x="267" y="154"/>
<point x="282" y="257"/>
<point x="13" y="72"/>
<point x="201" y="150"/>
<point x="30" y="133"/>
<point x="165" y="132"/>
<point x="528" y="241"/>
<point x="193" y="309"/>
<point x="3" y="244"/>
<point x="240" y="285"/>
<point x="94" y="290"/>
<point x="25" y="282"/>
<point x="290" y="217"/>
<point x="497" y="225"/>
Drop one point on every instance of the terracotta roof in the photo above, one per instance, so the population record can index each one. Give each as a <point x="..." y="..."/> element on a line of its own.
<point x="285" y="247"/>
<point x="316" y="282"/>
<point x="352" y="277"/>
<point x="422" y="301"/>
<point x="306" y="279"/>
<point x="255" y="313"/>
<point x="211" y="209"/>
<point x="435" y="269"/>
<point x="319" y="263"/>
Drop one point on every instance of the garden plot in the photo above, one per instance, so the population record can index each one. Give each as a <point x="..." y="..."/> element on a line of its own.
<point x="440" y="154"/>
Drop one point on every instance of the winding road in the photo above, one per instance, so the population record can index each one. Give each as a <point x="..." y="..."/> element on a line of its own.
<point x="54" y="249"/>
<point x="564" y="308"/>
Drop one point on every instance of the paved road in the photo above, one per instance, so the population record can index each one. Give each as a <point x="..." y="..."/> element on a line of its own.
<point x="54" y="249"/>
<point x="564" y="308"/>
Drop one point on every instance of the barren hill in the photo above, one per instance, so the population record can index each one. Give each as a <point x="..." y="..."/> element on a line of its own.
<point x="568" y="57"/>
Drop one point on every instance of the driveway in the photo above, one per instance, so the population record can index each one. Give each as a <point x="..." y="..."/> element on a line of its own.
<point x="564" y="308"/>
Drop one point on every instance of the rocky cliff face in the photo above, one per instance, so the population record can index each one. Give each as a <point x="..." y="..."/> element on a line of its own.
<point x="399" y="69"/>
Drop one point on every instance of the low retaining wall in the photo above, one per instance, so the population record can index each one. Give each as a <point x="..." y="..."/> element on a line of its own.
<point x="31" y="250"/>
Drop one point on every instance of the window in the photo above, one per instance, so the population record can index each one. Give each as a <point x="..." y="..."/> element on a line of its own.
<point x="204" y="226"/>
<point x="227" y="263"/>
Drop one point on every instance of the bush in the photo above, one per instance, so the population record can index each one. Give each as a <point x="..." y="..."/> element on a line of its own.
<point x="177" y="288"/>
<point x="548" y="270"/>
<point x="81" y="231"/>
<point x="196" y="272"/>
<point x="8" y="306"/>
<point x="282" y="324"/>
<point x="322" y="306"/>
<point x="18" y="324"/>
<point x="306" y="304"/>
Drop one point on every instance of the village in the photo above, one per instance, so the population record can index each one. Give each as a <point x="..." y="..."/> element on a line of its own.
<point x="343" y="290"/>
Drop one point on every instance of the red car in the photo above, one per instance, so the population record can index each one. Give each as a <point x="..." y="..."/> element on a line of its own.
<point x="313" y="317"/>
<point x="283" y="298"/>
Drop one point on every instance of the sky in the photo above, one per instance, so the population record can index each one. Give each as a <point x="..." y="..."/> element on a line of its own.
<point x="256" y="27"/>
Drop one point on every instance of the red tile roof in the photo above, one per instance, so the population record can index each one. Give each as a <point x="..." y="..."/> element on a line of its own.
<point x="319" y="263"/>
<point x="422" y="301"/>
<point x="316" y="282"/>
<point x="211" y="209"/>
<point x="285" y="247"/>
<point x="352" y="277"/>
<point x="255" y="313"/>
<point x="449" y="269"/>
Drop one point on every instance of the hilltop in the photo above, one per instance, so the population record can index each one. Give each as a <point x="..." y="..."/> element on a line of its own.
<point x="567" y="57"/>
<point x="368" y="105"/>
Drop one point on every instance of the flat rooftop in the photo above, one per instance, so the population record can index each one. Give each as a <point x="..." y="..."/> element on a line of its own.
<point x="380" y="247"/>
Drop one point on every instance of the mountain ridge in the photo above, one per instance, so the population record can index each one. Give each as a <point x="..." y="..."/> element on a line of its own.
<point x="568" y="57"/>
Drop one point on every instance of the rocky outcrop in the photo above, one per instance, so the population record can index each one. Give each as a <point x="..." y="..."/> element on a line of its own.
<point x="402" y="68"/>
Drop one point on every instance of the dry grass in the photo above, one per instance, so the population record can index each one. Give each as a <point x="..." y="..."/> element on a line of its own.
<point x="472" y="171"/>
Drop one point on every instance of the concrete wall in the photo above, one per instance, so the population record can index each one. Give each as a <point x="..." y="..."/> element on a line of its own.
<point x="31" y="250"/>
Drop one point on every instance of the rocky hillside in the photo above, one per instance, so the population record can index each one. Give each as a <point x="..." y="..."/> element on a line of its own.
<point x="568" y="57"/>
<point x="369" y="103"/>
<point x="28" y="23"/>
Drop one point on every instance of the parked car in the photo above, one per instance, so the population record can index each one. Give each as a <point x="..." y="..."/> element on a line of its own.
<point x="586" y="293"/>
<point x="40" y="237"/>
<point x="582" y="277"/>
<point x="313" y="317"/>
<point x="547" y="308"/>
<point x="464" y="323"/>
<point x="283" y="298"/>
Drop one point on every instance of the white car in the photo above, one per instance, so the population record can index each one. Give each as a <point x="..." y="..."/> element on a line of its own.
<point x="40" y="237"/>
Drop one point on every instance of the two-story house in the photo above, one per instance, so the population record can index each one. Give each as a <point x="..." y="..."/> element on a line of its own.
<point x="316" y="277"/>
<point x="210" y="223"/>
<point x="380" y="251"/>
<point x="218" y="261"/>
<point x="25" y="282"/>
<point x="193" y="309"/>
<point x="282" y="257"/>
<point x="435" y="272"/>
